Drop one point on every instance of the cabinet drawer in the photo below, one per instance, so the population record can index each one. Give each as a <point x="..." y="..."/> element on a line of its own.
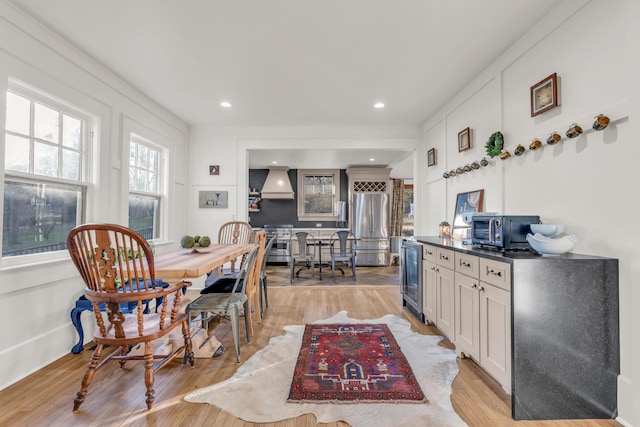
<point x="429" y="253"/>
<point x="446" y="258"/>
<point x="467" y="264"/>
<point x="495" y="272"/>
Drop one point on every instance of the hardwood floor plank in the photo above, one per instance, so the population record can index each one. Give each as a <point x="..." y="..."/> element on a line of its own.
<point x="116" y="397"/>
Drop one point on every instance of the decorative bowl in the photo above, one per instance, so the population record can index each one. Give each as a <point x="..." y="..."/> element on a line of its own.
<point x="550" y="246"/>
<point x="548" y="230"/>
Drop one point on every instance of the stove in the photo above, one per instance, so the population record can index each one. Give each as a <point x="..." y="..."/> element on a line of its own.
<point x="279" y="252"/>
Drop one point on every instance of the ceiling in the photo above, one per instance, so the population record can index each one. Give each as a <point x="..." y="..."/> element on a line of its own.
<point x="294" y="62"/>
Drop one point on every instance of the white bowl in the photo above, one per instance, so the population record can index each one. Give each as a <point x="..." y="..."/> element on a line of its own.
<point x="549" y="230"/>
<point x="548" y="246"/>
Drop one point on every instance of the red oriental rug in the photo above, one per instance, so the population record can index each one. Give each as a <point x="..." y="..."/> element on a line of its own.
<point x="352" y="363"/>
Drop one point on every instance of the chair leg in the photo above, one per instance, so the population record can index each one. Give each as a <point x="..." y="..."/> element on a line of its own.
<point x="353" y="269"/>
<point x="266" y="297"/>
<point x="188" y="350"/>
<point x="292" y="268"/>
<point x="88" y="377"/>
<point x="333" y="269"/>
<point x="235" y="328"/>
<point x="149" y="374"/>
<point x="248" y="320"/>
<point x="313" y="270"/>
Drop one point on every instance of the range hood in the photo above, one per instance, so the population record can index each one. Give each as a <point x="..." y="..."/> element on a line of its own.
<point x="277" y="184"/>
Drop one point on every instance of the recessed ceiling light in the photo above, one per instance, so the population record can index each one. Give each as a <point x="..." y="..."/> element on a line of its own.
<point x="275" y="162"/>
<point x="372" y="159"/>
<point x="225" y="104"/>
<point x="379" y="105"/>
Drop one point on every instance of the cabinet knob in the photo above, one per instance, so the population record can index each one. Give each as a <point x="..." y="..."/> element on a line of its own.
<point x="444" y="257"/>
<point x="474" y="286"/>
<point x="481" y="289"/>
<point x="495" y="273"/>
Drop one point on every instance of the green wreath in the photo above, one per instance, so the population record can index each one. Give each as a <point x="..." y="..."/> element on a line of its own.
<point x="494" y="144"/>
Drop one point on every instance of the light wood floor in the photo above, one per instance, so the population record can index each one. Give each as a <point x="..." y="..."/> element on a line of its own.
<point x="116" y="397"/>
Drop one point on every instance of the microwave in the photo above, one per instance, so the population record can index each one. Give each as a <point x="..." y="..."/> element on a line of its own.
<point x="502" y="231"/>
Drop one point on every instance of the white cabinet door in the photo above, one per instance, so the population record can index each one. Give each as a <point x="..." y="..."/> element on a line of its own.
<point x="467" y="316"/>
<point x="429" y="280"/>
<point x="495" y="333"/>
<point x="445" y="292"/>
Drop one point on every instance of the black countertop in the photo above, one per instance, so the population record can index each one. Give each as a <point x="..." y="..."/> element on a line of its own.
<point x="495" y="253"/>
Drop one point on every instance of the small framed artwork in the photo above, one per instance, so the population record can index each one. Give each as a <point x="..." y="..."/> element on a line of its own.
<point x="465" y="202"/>
<point x="544" y="95"/>
<point x="213" y="199"/>
<point x="431" y="157"/>
<point x="214" y="170"/>
<point x="464" y="140"/>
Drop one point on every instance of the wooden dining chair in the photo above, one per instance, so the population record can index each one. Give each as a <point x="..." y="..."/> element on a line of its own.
<point x="117" y="266"/>
<point x="234" y="232"/>
<point x="263" y="291"/>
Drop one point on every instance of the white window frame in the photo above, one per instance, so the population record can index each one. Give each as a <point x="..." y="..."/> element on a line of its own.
<point x="333" y="215"/>
<point x="160" y="194"/>
<point x="83" y="183"/>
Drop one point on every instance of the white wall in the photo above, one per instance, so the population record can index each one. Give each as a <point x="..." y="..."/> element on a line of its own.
<point x="36" y="299"/>
<point x="584" y="183"/>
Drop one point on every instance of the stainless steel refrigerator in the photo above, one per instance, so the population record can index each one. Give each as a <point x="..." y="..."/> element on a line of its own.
<point x="370" y="225"/>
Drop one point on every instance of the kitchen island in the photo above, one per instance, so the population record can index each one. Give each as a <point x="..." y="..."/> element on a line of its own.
<point x="560" y="323"/>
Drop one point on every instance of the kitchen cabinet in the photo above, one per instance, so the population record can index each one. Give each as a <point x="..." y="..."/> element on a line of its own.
<point x="545" y="327"/>
<point x="438" y="289"/>
<point x="482" y="315"/>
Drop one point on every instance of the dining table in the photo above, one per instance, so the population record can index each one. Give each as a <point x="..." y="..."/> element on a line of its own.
<point x="172" y="267"/>
<point x="182" y="264"/>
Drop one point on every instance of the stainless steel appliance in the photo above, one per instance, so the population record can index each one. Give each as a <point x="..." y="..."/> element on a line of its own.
<point x="502" y="231"/>
<point x="370" y="225"/>
<point x="411" y="270"/>
<point x="279" y="251"/>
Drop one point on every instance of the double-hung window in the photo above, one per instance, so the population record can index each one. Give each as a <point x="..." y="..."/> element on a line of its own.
<point x="45" y="172"/>
<point x="145" y="189"/>
<point x="318" y="192"/>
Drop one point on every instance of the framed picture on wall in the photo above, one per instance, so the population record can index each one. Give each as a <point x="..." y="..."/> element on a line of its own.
<point x="465" y="202"/>
<point x="544" y="95"/>
<point x="213" y="199"/>
<point x="464" y="140"/>
<point x="431" y="157"/>
<point x="214" y="170"/>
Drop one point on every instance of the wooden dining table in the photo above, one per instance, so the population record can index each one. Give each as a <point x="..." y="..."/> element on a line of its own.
<point x="172" y="267"/>
<point x="182" y="264"/>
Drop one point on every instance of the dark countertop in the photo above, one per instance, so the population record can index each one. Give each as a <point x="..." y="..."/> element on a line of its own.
<point x="495" y="253"/>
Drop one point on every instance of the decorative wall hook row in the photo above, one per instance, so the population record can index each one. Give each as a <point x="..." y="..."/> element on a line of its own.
<point x="575" y="130"/>
<point x="466" y="168"/>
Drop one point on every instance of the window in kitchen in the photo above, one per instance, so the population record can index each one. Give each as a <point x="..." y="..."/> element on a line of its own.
<point x="408" y="214"/>
<point x="318" y="191"/>
<point x="145" y="190"/>
<point x="45" y="167"/>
